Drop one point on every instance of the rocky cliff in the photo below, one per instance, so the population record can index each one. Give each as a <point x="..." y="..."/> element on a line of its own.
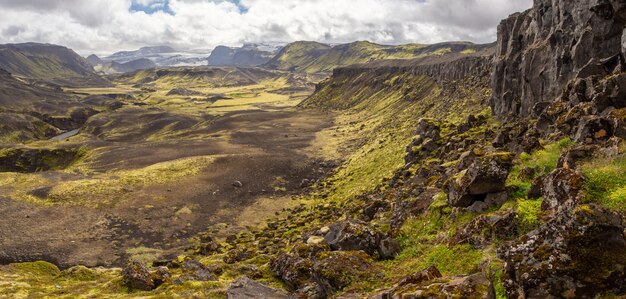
<point x="540" y="50"/>
<point x="440" y="69"/>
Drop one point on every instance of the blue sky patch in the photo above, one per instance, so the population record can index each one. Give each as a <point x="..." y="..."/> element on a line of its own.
<point x="151" y="6"/>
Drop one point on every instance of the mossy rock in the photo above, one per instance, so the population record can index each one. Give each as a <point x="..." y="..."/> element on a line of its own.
<point x="39" y="268"/>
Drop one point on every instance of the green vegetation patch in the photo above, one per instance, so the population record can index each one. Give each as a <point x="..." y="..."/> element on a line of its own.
<point x="112" y="187"/>
<point x="542" y="161"/>
<point x="605" y="183"/>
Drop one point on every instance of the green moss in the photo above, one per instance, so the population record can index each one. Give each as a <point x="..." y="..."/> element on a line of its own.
<point x="542" y="161"/>
<point x="80" y="273"/>
<point x="528" y="214"/>
<point x="605" y="183"/>
<point x="454" y="260"/>
<point x="39" y="268"/>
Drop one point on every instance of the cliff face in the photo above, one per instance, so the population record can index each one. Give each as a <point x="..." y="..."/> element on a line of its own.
<point x="440" y="69"/>
<point x="539" y="51"/>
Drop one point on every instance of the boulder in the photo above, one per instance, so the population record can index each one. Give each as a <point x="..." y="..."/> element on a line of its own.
<point x="593" y="129"/>
<point x="491" y="200"/>
<point x="487" y="174"/>
<point x="137" y="276"/>
<point x="237" y="184"/>
<point x="351" y="235"/>
<point x="571" y="157"/>
<point x="321" y="274"/>
<point x="196" y="271"/>
<point x="389" y="248"/>
<point x="246" y="288"/>
<point x="208" y="245"/>
<point x="427" y="128"/>
<point x="485" y="229"/>
<point x="427" y="140"/>
<point x="561" y="190"/>
<point x="335" y="270"/>
<point x="294" y="270"/>
<point x="238" y="255"/>
<point x="578" y="254"/>
<point x="433" y="286"/>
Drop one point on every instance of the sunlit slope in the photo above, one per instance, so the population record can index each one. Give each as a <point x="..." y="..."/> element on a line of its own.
<point x="317" y="57"/>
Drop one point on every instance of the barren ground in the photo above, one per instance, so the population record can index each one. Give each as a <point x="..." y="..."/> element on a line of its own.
<point x="158" y="171"/>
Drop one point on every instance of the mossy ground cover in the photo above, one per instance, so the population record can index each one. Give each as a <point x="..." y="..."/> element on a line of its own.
<point x="605" y="182"/>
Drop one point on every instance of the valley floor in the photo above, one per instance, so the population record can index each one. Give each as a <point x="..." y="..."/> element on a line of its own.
<point x="160" y="169"/>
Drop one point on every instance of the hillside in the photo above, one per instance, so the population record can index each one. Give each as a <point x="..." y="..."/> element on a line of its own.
<point x="32" y="112"/>
<point x="247" y="55"/>
<point x="47" y="62"/>
<point x="317" y="57"/>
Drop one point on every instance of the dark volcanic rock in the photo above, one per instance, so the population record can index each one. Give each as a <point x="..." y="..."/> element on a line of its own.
<point x="336" y="270"/>
<point x="430" y="284"/>
<point x="246" y="288"/>
<point x="593" y="129"/>
<point x="137" y="276"/>
<point x="561" y="190"/>
<point x="427" y="140"/>
<point x="539" y="51"/>
<point x="485" y="175"/>
<point x="578" y="254"/>
<point x="319" y="274"/>
<point x="485" y="229"/>
<point x="352" y="235"/>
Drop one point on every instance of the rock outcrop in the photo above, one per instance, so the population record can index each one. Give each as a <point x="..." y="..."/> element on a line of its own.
<point x="316" y="272"/>
<point x="246" y="288"/>
<point x="578" y="254"/>
<point x="137" y="276"/>
<point x="486" y="175"/>
<point x="430" y="284"/>
<point x="540" y="50"/>
<point x="352" y="235"/>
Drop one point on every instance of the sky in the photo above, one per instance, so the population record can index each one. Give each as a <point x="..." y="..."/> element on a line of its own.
<point x="106" y="26"/>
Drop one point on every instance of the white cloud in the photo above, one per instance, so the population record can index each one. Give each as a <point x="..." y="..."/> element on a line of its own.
<point x="104" y="26"/>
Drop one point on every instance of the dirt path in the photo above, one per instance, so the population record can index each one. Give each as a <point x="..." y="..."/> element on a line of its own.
<point x="269" y="152"/>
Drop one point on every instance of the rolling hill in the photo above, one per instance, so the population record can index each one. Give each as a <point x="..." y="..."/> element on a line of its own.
<point x="311" y="57"/>
<point x="48" y="62"/>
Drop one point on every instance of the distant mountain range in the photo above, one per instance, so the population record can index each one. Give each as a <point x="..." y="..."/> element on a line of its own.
<point x="114" y="67"/>
<point x="63" y="66"/>
<point x="161" y="56"/>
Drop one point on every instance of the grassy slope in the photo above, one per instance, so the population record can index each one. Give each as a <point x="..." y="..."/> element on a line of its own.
<point x="44" y="62"/>
<point x="314" y="57"/>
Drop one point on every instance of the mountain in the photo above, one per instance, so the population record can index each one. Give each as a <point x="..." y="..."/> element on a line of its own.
<point x="145" y="52"/>
<point x="127" y="67"/>
<point x="47" y="62"/>
<point x="135" y="65"/>
<point x="161" y="56"/>
<point x="317" y="57"/>
<point x="94" y="60"/>
<point x="248" y="55"/>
